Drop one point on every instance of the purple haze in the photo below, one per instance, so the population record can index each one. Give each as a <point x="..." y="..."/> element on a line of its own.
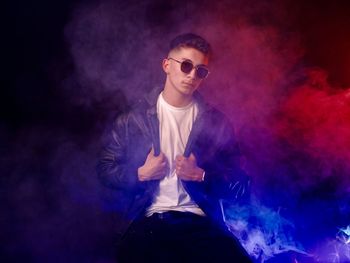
<point x="292" y="125"/>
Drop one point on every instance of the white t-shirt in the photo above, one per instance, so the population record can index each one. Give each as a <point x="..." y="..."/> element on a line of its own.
<point x="175" y="125"/>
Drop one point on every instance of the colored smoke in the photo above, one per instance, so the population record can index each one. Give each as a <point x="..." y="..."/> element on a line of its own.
<point x="264" y="233"/>
<point x="293" y="126"/>
<point x="315" y="119"/>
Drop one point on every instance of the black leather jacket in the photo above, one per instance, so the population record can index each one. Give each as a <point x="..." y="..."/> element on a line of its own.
<point x="211" y="140"/>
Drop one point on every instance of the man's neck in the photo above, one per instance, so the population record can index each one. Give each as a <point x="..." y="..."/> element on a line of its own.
<point x="176" y="99"/>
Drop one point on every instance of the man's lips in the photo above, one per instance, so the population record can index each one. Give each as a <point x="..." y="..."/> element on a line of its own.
<point x="189" y="84"/>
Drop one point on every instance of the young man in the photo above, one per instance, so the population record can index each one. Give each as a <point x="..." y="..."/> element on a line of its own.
<point x="174" y="157"/>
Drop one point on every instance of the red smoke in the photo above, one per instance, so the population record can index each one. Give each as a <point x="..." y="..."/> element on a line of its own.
<point x="315" y="119"/>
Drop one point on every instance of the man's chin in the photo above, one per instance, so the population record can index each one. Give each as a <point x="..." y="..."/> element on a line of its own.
<point x="188" y="89"/>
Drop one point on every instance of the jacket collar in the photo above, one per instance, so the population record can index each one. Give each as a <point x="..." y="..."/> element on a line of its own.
<point x="152" y="97"/>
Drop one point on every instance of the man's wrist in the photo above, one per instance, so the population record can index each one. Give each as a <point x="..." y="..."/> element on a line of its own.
<point x="140" y="174"/>
<point x="200" y="174"/>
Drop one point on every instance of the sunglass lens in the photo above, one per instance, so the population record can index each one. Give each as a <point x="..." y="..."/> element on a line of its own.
<point x="202" y="72"/>
<point x="186" y="67"/>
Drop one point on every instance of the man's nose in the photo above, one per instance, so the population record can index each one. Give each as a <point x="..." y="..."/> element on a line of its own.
<point x="193" y="73"/>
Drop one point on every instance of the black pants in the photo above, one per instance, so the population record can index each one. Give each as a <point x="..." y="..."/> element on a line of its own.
<point x="178" y="237"/>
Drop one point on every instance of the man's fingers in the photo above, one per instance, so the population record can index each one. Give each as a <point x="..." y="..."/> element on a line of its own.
<point x="150" y="154"/>
<point x="152" y="151"/>
<point x="192" y="157"/>
<point x="163" y="166"/>
<point x="161" y="173"/>
<point x="186" y="168"/>
<point x="183" y="176"/>
<point x="162" y="157"/>
<point x="179" y="158"/>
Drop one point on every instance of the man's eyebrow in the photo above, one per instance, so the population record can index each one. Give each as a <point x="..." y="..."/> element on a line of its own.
<point x="187" y="59"/>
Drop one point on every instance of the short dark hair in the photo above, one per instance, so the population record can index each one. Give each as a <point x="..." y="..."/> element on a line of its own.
<point x="191" y="40"/>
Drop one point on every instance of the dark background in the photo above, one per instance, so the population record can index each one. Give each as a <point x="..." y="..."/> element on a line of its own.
<point x="37" y="56"/>
<point x="52" y="119"/>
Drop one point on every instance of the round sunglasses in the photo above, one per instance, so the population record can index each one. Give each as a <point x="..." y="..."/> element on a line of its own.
<point x="187" y="66"/>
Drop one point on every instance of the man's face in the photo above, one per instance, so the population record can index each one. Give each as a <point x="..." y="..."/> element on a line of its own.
<point x="183" y="84"/>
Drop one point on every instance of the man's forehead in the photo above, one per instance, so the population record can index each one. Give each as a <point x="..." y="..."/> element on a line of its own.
<point x="189" y="53"/>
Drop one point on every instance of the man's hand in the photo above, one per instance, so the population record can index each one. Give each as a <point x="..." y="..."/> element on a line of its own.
<point x="154" y="168"/>
<point x="187" y="169"/>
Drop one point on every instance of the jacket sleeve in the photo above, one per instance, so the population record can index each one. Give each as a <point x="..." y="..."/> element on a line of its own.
<point x="113" y="168"/>
<point x="226" y="177"/>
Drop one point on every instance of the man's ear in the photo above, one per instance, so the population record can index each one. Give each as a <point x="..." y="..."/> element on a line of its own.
<point x="165" y="65"/>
